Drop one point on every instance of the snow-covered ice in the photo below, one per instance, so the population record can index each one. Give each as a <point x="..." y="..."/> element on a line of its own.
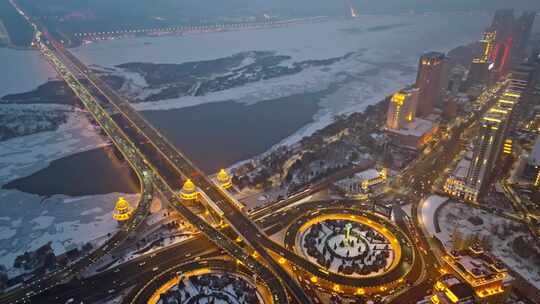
<point x="21" y="156"/>
<point x="29" y="221"/>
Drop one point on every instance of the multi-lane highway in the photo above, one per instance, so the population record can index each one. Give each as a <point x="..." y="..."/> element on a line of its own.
<point x="235" y="217"/>
<point x="25" y="292"/>
<point x="68" y="70"/>
<point x="141" y="270"/>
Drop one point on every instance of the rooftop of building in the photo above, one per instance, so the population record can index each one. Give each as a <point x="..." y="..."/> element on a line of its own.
<point x="461" y="289"/>
<point x="418" y="127"/>
<point x="367" y="174"/>
<point x="462" y="168"/>
<point x="476" y="266"/>
<point x="122" y="204"/>
<point x="409" y="89"/>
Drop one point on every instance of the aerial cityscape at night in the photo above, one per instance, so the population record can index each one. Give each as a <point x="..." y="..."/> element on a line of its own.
<point x="270" y="152"/>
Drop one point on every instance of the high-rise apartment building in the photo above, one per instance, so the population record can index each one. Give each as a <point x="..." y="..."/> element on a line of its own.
<point x="431" y="81"/>
<point x="492" y="140"/>
<point x="487" y="149"/>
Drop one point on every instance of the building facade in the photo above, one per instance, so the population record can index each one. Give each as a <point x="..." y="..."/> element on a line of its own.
<point x="488" y="146"/>
<point x="402" y="108"/>
<point x="485" y="275"/>
<point x="479" y="70"/>
<point x="431" y="81"/>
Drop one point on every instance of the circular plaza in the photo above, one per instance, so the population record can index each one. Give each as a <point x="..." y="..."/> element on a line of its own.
<point x="217" y="281"/>
<point x="347" y="246"/>
<point x="212" y="287"/>
<point x="360" y="252"/>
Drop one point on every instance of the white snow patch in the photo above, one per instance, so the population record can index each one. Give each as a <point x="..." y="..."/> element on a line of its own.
<point x="455" y="216"/>
<point x="22" y="156"/>
<point x="42" y="222"/>
<point x="429" y="207"/>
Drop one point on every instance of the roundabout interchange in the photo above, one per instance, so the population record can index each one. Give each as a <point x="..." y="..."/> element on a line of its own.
<point x="362" y="252"/>
<point x="298" y="221"/>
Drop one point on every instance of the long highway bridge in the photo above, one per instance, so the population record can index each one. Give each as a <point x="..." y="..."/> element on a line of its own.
<point x="63" y="60"/>
<point x="70" y="73"/>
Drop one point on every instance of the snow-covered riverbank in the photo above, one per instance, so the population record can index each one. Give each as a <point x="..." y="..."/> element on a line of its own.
<point x="29" y="221"/>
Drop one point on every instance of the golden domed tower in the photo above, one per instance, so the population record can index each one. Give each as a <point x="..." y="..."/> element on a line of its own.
<point x="189" y="191"/>
<point x="122" y="210"/>
<point x="224" y="179"/>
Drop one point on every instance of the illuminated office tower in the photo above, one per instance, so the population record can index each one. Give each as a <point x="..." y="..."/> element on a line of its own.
<point x="503" y="23"/>
<point x="513" y="35"/>
<point x="486" y="152"/>
<point x="402" y="108"/>
<point x="480" y="65"/>
<point x="431" y="80"/>
<point x="490" y="142"/>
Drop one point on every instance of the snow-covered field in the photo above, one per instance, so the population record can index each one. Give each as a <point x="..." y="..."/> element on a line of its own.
<point x="386" y="53"/>
<point x="499" y="232"/>
<point x="231" y="293"/>
<point x="29" y="222"/>
<point x="356" y="245"/>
